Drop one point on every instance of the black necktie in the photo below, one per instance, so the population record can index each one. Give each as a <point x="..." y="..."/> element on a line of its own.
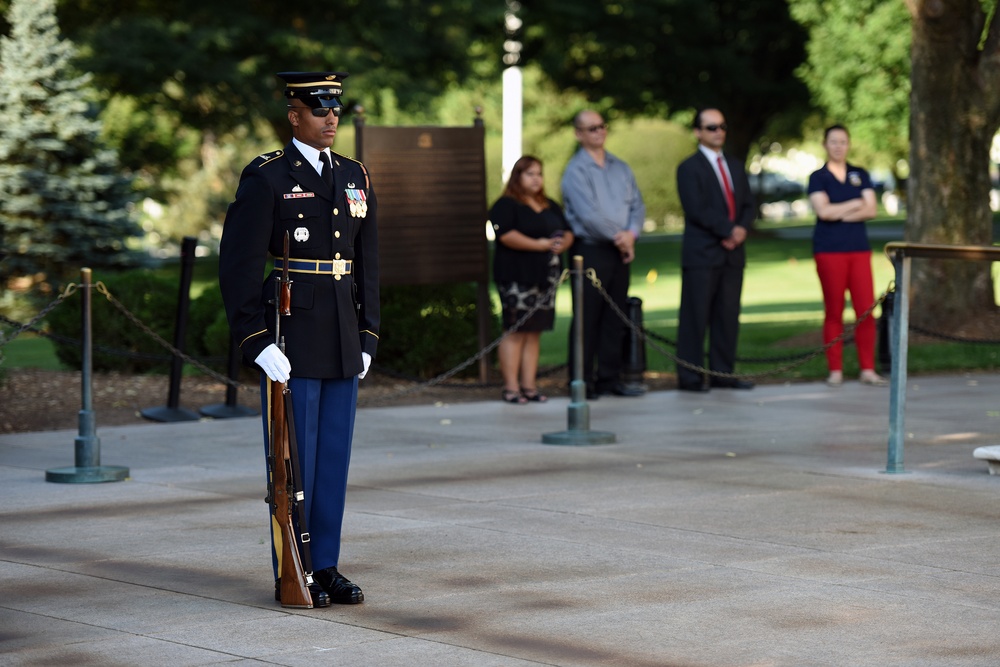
<point x="327" y="173"/>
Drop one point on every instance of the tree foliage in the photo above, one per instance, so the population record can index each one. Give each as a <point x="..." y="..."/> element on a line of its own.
<point x="211" y="64"/>
<point x="63" y="202"/>
<point x="643" y="56"/>
<point x="858" y="71"/>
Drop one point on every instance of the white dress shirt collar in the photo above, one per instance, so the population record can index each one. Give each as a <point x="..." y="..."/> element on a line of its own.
<point x="312" y="155"/>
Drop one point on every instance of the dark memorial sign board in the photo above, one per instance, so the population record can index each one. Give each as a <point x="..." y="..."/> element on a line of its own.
<point x="431" y="187"/>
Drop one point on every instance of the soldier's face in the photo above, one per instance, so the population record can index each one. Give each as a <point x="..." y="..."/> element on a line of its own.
<point x="318" y="132"/>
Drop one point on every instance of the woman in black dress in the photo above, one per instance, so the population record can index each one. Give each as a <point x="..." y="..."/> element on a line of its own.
<point x="531" y="233"/>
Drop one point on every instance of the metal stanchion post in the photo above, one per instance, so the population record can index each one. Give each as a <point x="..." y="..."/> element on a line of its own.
<point x="897" y="379"/>
<point x="578" y="414"/>
<point x="87" y="450"/>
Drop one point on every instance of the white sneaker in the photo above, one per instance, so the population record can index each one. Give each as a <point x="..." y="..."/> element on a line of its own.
<point x="873" y="379"/>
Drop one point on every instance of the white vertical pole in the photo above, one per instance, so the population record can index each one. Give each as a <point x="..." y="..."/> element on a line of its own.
<point x="512" y="118"/>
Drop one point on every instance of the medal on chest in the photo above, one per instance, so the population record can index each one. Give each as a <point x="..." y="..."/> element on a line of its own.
<point x="356" y="201"/>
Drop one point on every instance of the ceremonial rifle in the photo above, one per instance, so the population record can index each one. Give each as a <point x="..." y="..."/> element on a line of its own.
<point x="285" y="494"/>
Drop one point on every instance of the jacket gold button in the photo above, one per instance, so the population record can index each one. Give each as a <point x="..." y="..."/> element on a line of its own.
<point x="337" y="256"/>
<point x="336" y="212"/>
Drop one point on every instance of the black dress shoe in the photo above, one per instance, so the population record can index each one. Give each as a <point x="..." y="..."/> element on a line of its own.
<point x="692" y="387"/>
<point x="733" y="384"/>
<point x="631" y="389"/>
<point x="341" y="590"/>
<point x="319" y="596"/>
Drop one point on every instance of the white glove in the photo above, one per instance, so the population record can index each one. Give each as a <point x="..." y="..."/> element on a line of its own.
<point x="366" y="359"/>
<point x="274" y="363"/>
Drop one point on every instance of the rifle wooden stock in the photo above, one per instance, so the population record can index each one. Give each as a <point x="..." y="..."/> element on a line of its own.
<point x="294" y="584"/>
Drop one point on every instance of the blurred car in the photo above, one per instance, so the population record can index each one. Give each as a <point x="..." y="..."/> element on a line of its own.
<point x="769" y="186"/>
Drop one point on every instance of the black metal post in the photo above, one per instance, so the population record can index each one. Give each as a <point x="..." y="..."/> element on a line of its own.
<point x="634" y="353"/>
<point x="172" y="412"/>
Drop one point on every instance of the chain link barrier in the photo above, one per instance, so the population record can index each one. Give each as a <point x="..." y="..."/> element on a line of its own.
<point x="645" y="335"/>
<point x="550" y="294"/>
<point x="591" y="274"/>
<point x="42" y="314"/>
<point x="101" y="288"/>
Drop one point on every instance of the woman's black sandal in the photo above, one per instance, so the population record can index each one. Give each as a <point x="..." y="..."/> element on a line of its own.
<point x="510" y="396"/>
<point x="534" y="396"/>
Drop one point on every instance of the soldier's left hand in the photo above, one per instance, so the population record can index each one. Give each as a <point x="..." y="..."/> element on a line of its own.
<point x="367" y="360"/>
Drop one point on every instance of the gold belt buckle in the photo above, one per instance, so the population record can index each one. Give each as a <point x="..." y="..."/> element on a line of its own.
<point x="339" y="267"/>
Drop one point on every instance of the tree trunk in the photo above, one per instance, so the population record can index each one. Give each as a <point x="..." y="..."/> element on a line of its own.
<point x="953" y="117"/>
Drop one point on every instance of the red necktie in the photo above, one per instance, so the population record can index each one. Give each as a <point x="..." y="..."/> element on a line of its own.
<point x="730" y="199"/>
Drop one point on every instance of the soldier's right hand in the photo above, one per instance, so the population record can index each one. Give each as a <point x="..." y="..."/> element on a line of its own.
<point x="274" y="363"/>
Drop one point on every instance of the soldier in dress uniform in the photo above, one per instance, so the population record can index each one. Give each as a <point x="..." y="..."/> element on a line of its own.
<point x="326" y="204"/>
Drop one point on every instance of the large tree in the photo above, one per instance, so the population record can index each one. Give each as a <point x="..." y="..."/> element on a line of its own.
<point x="955" y="112"/>
<point x="63" y="200"/>
<point x="641" y="56"/>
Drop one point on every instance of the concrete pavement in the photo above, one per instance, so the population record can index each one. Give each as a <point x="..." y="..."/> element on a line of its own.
<point x="722" y="529"/>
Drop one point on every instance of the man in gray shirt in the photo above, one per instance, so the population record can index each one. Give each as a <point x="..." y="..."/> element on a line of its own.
<point x="605" y="210"/>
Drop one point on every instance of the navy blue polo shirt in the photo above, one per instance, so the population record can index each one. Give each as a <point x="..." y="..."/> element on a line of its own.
<point x="834" y="235"/>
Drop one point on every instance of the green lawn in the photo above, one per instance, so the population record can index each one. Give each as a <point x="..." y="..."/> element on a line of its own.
<point x="782" y="312"/>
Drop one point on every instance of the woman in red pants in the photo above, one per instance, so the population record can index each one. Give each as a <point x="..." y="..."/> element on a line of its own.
<point x="842" y="196"/>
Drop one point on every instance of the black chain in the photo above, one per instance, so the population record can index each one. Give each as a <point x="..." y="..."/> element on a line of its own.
<point x="437" y="381"/>
<point x="159" y="339"/>
<point x="952" y="338"/>
<point x="592" y="275"/>
<point x="644" y="334"/>
<point x="33" y="323"/>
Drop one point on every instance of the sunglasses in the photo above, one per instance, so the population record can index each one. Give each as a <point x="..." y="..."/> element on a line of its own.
<point x="594" y="128"/>
<point x="715" y="128"/>
<point x="319" y="112"/>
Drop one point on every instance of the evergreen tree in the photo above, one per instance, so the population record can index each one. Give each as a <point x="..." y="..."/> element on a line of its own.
<point x="64" y="203"/>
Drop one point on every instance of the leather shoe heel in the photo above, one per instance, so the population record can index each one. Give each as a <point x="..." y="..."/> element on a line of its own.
<point x="733" y="384"/>
<point x="700" y="388"/>
<point x="339" y="588"/>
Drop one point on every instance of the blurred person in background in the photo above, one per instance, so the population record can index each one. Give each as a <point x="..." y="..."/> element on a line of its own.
<point x="843" y="197"/>
<point x="605" y="210"/>
<point x="719" y="211"/>
<point x="531" y="233"/>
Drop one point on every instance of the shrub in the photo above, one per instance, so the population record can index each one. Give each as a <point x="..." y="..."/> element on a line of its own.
<point x="207" y="329"/>
<point x="429" y="329"/>
<point x="119" y="344"/>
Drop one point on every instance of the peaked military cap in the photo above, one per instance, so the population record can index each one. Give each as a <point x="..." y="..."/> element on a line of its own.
<point x="315" y="89"/>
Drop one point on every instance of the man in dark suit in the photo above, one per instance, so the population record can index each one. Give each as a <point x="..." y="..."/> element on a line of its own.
<point x="719" y="209"/>
<point x="324" y="201"/>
